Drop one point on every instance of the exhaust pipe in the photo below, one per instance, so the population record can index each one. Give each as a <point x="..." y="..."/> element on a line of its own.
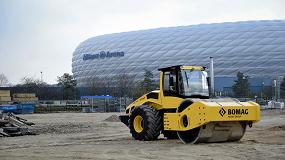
<point x="212" y="89"/>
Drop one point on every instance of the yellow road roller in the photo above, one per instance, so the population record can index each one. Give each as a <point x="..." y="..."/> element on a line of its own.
<point x="183" y="108"/>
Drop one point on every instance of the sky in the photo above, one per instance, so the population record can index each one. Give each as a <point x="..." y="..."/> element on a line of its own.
<point x="40" y="35"/>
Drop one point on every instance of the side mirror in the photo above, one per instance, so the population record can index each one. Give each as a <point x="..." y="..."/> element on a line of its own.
<point x="209" y="86"/>
<point x="208" y="81"/>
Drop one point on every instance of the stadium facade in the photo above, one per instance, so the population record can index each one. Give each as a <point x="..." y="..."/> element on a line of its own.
<point x="256" y="48"/>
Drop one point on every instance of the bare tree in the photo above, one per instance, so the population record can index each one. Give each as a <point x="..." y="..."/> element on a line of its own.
<point x="31" y="82"/>
<point x="3" y="80"/>
<point x="32" y="85"/>
<point x="95" y="86"/>
<point x="123" y="84"/>
<point x="118" y="86"/>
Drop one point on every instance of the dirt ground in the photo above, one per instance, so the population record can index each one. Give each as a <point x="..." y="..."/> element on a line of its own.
<point x="90" y="136"/>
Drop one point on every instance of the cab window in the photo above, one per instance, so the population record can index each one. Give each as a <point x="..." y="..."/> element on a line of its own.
<point x="170" y="83"/>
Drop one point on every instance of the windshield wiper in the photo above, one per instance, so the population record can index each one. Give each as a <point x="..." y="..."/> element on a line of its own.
<point x="186" y="79"/>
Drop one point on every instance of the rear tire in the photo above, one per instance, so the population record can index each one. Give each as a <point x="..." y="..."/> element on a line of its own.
<point x="145" y="123"/>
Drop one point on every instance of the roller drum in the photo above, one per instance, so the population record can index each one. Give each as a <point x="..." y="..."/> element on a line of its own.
<point x="214" y="132"/>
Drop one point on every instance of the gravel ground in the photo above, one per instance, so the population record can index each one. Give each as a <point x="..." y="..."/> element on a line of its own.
<point x="100" y="136"/>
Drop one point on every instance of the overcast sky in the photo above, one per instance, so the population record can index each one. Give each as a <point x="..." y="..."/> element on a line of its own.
<point x="41" y="35"/>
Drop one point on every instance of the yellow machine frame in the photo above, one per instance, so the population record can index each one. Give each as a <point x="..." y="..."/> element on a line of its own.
<point x="199" y="112"/>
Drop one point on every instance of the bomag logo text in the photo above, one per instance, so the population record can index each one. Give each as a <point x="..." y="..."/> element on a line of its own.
<point x="237" y="111"/>
<point x="233" y="113"/>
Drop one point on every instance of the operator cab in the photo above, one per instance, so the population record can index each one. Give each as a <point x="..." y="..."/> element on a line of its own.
<point x="185" y="82"/>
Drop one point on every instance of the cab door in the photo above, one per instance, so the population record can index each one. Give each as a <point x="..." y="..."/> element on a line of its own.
<point x="171" y="89"/>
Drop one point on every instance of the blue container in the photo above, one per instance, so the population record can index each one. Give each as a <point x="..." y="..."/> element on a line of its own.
<point x="27" y="108"/>
<point x="9" y="108"/>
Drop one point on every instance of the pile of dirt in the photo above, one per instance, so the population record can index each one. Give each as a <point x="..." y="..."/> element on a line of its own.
<point x="112" y="118"/>
<point x="61" y="128"/>
<point x="278" y="128"/>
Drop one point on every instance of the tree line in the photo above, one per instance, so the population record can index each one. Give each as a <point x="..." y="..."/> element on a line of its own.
<point x="121" y="85"/>
<point x="241" y="88"/>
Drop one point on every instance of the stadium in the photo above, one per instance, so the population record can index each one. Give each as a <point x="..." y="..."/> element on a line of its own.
<point x="256" y="48"/>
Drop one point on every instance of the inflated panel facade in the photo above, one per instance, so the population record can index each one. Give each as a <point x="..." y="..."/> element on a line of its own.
<point x="256" y="48"/>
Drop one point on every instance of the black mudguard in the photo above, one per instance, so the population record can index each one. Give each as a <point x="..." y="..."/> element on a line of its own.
<point x="125" y="119"/>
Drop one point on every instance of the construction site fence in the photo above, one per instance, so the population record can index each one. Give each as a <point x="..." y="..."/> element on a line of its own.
<point x="96" y="105"/>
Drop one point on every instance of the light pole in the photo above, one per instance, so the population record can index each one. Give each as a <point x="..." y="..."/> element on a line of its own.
<point x="274" y="89"/>
<point x="245" y="89"/>
<point x="279" y="81"/>
<point x="41" y="76"/>
<point x="262" y="87"/>
<point x="212" y="76"/>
